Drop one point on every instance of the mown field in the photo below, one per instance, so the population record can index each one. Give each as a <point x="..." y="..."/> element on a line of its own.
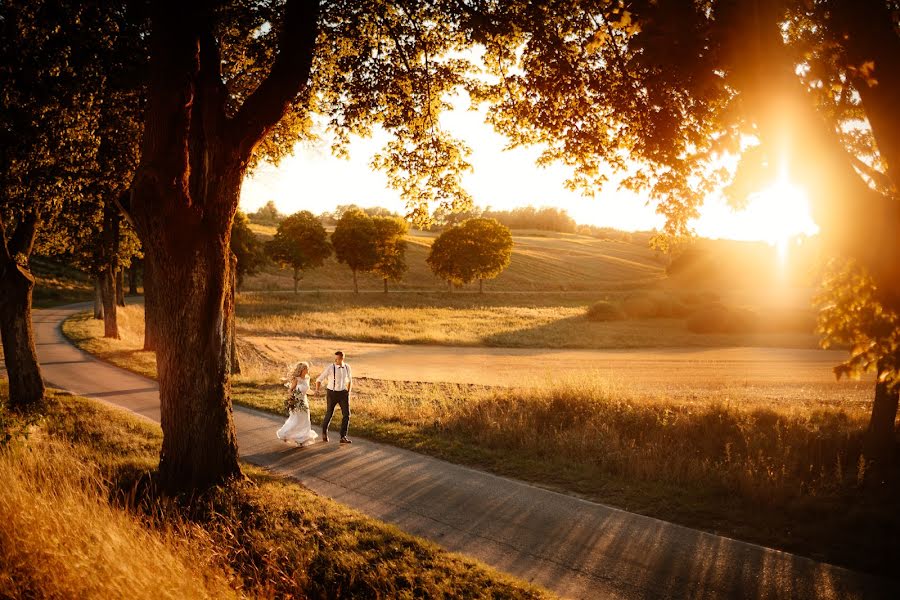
<point x="783" y="472"/>
<point x="80" y="518"/>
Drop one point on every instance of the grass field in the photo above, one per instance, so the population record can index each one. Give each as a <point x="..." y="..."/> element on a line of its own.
<point x="79" y="518"/>
<point x="523" y="320"/>
<point x="783" y="473"/>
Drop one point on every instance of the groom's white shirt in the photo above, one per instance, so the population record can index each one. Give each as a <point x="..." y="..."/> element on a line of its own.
<point x="338" y="377"/>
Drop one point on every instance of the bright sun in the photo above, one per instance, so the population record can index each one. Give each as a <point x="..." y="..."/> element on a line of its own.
<point x="775" y="214"/>
<point x="778" y="213"/>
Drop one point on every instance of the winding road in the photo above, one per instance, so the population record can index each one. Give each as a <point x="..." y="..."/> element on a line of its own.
<point x="575" y="548"/>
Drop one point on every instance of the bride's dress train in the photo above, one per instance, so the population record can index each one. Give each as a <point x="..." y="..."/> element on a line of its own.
<point x="298" y="428"/>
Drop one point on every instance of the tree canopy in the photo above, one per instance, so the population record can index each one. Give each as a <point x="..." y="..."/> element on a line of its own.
<point x="248" y="249"/>
<point x="300" y="243"/>
<point x="476" y="249"/>
<point x="354" y="241"/>
<point x="390" y="248"/>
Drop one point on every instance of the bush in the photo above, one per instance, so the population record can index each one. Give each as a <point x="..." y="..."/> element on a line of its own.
<point x="718" y="318"/>
<point x="639" y="306"/>
<point x="604" y="311"/>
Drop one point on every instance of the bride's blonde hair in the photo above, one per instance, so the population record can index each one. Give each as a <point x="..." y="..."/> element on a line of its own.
<point x="298" y="368"/>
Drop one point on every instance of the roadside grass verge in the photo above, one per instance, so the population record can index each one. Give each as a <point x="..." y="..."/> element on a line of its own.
<point x="780" y="474"/>
<point x="79" y="518"/>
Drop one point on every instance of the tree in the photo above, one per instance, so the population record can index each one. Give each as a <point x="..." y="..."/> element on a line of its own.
<point x="235" y="83"/>
<point x="48" y="116"/>
<point x="354" y="242"/>
<point x="390" y="248"/>
<point x="673" y="86"/>
<point x="266" y="215"/>
<point x="476" y="249"/>
<point x="247" y="248"/>
<point x="300" y="243"/>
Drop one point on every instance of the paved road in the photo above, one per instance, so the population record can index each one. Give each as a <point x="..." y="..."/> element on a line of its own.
<point x="735" y="373"/>
<point x="576" y="548"/>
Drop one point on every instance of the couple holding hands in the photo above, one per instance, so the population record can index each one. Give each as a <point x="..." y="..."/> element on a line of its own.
<point x="337" y="380"/>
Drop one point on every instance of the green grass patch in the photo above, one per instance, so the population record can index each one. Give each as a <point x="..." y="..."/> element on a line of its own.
<point x="57" y="284"/>
<point x="79" y="517"/>
<point x="780" y="474"/>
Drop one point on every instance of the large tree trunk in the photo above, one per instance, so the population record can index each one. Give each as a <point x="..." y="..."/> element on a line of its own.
<point x="120" y="287"/>
<point x="108" y="297"/>
<point x="98" y="297"/>
<point x="184" y="195"/>
<point x="26" y="388"/>
<point x="132" y="278"/>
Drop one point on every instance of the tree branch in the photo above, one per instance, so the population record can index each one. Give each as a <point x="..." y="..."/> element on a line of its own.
<point x="290" y="73"/>
<point x="22" y="239"/>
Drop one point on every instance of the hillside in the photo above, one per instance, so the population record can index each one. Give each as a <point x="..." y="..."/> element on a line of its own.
<point x="541" y="261"/>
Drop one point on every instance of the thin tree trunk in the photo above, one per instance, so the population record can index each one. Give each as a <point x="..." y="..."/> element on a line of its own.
<point x="355" y="284"/>
<point x="296" y="279"/>
<point x="108" y="297"/>
<point x="26" y="388"/>
<point x="98" y="297"/>
<point x="120" y="287"/>
<point x="481" y="286"/>
<point x="385" y="285"/>
<point x="132" y="278"/>
<point x="881" y="438"/>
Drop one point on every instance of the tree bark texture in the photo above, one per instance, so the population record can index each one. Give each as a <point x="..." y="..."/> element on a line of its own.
<point x="150" y="335"/>
<point x="184" y="196"/>
<point x="120" y="287"/>
<point x="26" y="386"/>
<point x="232" y="342"/>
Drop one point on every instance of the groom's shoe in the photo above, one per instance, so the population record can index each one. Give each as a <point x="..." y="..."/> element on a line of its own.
<point x="324" y="437"/>
<point x="346" y="440"/>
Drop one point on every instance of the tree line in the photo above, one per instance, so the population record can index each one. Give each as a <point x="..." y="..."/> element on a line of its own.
<point x="474" y="249"/>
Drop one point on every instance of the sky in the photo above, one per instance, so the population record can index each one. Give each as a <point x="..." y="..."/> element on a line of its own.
<point x="312" y="179"/>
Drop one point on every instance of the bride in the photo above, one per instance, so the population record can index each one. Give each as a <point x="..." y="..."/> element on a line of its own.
<point x="297" y="427"/>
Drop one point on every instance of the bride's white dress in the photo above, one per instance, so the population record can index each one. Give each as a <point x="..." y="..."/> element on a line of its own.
<point x="298" y="428"/>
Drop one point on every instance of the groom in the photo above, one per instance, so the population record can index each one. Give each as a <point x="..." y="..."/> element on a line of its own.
<point x="337" y="380"/>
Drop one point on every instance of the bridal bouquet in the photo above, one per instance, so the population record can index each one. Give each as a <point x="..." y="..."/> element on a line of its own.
<point x="292" y="401"/>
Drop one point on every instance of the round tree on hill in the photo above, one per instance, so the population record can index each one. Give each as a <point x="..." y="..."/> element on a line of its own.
<point x="247" y="248"/>
<point x="300" y="243"/>
<point x="477" y="249"/>
<point x="390" y="248"/>
<point x="354" y="242"/>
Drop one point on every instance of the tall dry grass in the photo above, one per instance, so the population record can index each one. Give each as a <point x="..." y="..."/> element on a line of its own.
<point x="61" y="538"/>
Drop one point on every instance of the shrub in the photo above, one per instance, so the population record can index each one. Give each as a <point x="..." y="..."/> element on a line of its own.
<point x="604" y="311"/>
<point x="639" y="306"/>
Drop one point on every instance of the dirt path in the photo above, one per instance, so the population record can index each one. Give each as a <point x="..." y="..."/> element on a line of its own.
<point x="730" y="373"/>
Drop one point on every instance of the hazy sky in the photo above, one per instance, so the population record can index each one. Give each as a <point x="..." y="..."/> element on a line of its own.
<point x="312" y="179"/>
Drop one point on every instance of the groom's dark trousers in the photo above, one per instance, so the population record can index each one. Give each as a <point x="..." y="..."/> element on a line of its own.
<point x="343" y="399"/>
